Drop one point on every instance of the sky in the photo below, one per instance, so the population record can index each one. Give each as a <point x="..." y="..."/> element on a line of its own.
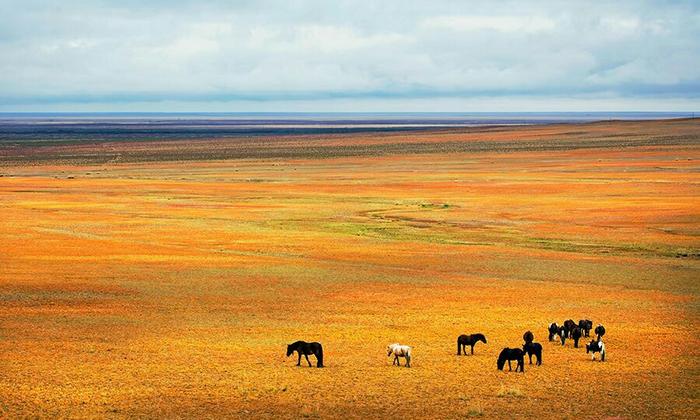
<point x="345" y="56"/>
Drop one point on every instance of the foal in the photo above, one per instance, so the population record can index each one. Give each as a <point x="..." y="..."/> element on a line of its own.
<point x="399" y="351"/>
<point x="468" y="340"/>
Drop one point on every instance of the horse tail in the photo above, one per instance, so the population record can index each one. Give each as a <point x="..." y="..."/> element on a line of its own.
<point x="319" y="356"/>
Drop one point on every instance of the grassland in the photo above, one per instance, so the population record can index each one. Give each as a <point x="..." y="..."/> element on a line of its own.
<point x="165" y="277"/>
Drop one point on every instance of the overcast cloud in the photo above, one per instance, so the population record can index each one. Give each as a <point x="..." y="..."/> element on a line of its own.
<point x="349" y="55"/>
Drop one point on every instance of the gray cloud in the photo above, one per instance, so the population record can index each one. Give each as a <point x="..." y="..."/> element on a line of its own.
<point x="268" y="54"/>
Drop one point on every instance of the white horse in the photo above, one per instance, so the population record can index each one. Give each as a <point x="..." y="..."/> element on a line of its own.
<point x="399" y="351"/>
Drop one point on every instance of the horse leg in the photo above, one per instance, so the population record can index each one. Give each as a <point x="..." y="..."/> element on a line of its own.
<point x="472" y="350"/>
<point x="299" y="360"/>
<point x="510" y="368"/>
<point x="530" y="356"/>
<point x="307" y="359"/>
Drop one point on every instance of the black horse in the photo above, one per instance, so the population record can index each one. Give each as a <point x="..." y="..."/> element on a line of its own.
<point x="586" y="326"/>
<point x="576" y="335"/>
<point x="599" y="331"/>
<point x="302" y="347"/>
<point x="528" y="337"/>
<point x="533" y="348"/>
<point x="562" y="334"/>
<point x="569" y="325"/>
<point x="553" y="330"/>
<point x="507" y="355"/>
<point x="468" y="340"/>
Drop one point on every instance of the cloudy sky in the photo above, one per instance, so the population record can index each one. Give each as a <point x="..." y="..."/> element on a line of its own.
<point x="403" y="55"/>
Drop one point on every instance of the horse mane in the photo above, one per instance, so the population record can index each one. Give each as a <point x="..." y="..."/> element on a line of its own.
<point x="478" y="336"/>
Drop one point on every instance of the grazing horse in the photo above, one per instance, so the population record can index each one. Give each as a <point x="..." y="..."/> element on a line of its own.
<point x="468" y="340"/>
<point x="586" y="325"/>
<point x="302" y="347"/>
<point x="533" y="348"/>
<point x="569" y="325"/>
<point x="562" y="335"/>
<point x="508" y="354"/>
<point x="399" y="351"/>
<point x="528" y="337"/>
<point x="596" y="347"/>
<point x="576" y="335"/>
<point x="553" y="330"/>
<point x="599" y="331"/>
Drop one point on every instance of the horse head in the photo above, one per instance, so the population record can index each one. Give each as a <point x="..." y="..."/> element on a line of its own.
<point x="502" y="359"/>
<point x="290" y="350"/>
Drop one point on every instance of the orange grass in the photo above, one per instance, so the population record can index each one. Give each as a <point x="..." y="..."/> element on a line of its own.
<point x="171" y="288"/>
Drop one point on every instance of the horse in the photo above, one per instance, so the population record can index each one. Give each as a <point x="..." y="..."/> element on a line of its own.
<point x="528" y="337"/>
<point x="508" y="354"/>
<point x="468" y="340"/>
<point x="562" y="334"/>
<point x="596" y="347"/>
<point x="302" y="347"/>
<point x="553" y="330"/>
<point x="533" y="348"/>
<point x="569" y="325"/>
<point x="599" y="331"/>
<point x="586" y="325"/>
<point x="576" y="335"/>
<point x="399" y="351"/>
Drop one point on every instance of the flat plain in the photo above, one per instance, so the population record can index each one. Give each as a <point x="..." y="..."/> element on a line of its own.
<point x="164" y="277"/>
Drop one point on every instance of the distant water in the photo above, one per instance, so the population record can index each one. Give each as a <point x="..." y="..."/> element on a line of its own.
<point x="136" y="126"/>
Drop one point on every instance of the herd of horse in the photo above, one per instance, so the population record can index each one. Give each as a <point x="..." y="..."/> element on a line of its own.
<point x="569" y="329"/>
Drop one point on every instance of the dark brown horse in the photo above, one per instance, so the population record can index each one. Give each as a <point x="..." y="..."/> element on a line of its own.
<point x="569" y="325"/>
<point x="533" y="349"/>
<point x="507" y="355"/>
<point x="302" y="347"/>
<point x="468" y="340"/>
<point x="586" y="326"/>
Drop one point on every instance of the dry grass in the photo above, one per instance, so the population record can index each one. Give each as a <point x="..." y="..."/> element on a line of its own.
<point x="171" y="289"/>
<point x="512" y="391"/>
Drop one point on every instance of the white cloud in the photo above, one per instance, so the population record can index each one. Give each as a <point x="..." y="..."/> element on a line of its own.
<point x="525" y="24"/>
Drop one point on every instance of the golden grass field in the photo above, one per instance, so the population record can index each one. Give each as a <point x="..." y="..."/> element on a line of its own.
<point x="164" y="279"/>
